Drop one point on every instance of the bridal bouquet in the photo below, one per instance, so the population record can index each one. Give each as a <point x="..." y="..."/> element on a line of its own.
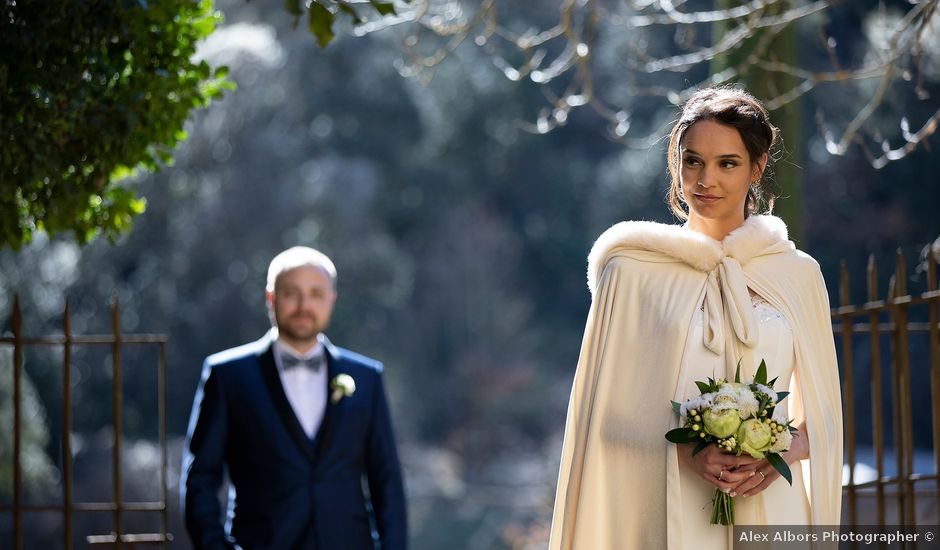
<point x="738" y="418"/>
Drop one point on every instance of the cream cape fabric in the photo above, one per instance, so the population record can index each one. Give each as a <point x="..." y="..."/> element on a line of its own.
<point x="619" y="476"/>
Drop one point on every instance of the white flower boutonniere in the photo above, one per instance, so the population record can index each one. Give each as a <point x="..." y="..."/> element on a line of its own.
<point x="342" y="386"/>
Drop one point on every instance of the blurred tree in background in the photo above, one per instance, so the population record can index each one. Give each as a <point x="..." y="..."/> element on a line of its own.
<point x="756" y="44"/>
<point x="459" y="227"/>
<point x="740" y="42"/>
<point x="95" y="90"/>
<point x="752" y="43"/>
<point x="768" y="83"/>
<point x="90" y="92"/>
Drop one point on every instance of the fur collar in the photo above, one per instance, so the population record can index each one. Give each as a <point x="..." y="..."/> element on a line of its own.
<point x="678" y="241"/>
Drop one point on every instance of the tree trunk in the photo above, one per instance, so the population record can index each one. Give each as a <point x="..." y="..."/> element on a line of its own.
<point x="767" y="85"/>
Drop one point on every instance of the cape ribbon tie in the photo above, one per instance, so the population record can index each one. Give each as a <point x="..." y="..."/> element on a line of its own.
<point x="726" y="293"/>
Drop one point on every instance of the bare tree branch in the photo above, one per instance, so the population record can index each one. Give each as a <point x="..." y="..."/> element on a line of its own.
<point x="560" y="58"/>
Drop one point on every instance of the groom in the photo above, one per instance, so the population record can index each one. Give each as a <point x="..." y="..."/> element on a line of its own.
<point x="300" y="426"/>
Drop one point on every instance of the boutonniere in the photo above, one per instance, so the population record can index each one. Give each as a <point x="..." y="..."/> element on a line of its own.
<point x="341" y="386"/>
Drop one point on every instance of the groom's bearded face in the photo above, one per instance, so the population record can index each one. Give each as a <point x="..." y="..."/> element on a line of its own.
<point x="302" y="303"/>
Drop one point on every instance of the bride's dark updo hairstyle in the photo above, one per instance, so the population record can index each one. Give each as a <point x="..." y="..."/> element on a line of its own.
<point x="740" y="110"/>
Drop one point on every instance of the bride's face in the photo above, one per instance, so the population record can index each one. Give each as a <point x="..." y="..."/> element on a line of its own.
<point x="716" y="171"/>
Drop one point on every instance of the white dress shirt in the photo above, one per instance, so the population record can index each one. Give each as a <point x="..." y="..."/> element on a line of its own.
<point x="305" y="388"/>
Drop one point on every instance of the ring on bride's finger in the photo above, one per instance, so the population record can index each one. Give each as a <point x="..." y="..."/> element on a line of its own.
<point x="762" y="476"/>
<point x="721" y="473"/>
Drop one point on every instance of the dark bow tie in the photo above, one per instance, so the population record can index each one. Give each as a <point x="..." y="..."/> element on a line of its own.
<point x="289" y="362"/>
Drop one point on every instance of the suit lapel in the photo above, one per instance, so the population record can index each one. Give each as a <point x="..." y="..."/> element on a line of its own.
<point x="273" y="382"/>
<point x="333" y="413"/>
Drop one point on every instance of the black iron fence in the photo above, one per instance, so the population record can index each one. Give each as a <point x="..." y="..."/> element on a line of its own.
<point x="117" y="507"/>
<point x="898" y="495"/>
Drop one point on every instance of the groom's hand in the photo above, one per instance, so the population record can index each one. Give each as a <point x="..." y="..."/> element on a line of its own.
<point x="724" y="471"/>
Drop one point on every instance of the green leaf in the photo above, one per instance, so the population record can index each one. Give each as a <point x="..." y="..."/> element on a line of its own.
<point x="142" y="59"/>
<point x="701" y="446"/>
<point x="761" y="376"/>
<point x="681" y="435"/>
<point x="204" y="27"/>
<point x="138" y="206"/>
<point x="781" y="395"/>
<point x="676" y="407"/>
<point x="703" y="387"/>
<point x="321" y="24"/>
<point x="781" y="466"/>
<point x="737" y="373"/>
<point x="384" y="8"/>
<point x="347" y="9"/>
<point x="122" y="172"/>
<point x="293" y="7"/>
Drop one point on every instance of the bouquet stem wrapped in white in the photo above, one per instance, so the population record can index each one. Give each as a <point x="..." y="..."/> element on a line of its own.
<point x="738" y="418"/>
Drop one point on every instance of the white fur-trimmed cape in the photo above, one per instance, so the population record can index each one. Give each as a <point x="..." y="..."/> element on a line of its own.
<point x="695" y="249"/>
<point x="647" y="281"/>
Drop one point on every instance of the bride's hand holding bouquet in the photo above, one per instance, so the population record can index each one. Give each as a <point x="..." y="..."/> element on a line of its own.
<point x="735" y="429"/>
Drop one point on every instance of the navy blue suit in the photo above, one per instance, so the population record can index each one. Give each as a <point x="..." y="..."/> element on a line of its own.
<point x="289" y="492"/>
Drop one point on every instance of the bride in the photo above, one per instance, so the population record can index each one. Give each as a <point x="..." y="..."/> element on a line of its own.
<point x="675" y="304"/>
